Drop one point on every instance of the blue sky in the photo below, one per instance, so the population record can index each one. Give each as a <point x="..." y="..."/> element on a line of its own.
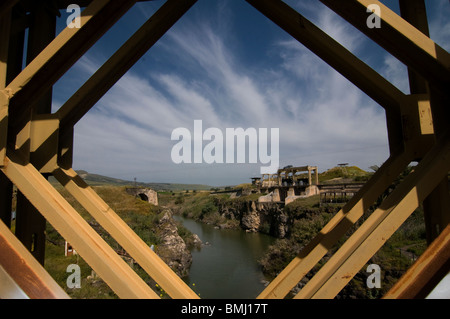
<point x="226" y="64"/>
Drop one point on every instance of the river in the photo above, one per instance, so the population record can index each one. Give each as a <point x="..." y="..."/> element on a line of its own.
<point x="226" y="267"/>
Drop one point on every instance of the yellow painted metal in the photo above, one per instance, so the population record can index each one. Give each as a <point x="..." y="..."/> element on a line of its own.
<point x="343" y="61"/>
<point x="426" y="272"/>
<point x="122" y="233"/>
<point x="97" y="253"/>
<point x="409" y="120"/>
<point x="400" y="38"/>
<point x="61" y="54"/>
<point x="23" y="141"/>
<point x="437" y="205"/>
<point x="313" y="252"/>
<point x="418" y="38"/>
<point x="380" y="226"/>
<point x="332" y="52"/>
<point x="5" y="26"/>
<point x="54" y="47"/>
<point x="425" y="117"/>
<point x="44" y="129"/>
<point x="417" y="125"/>
<point x="121" y="61"/>
<point x="26" y="272"/>
<point x="416" y="144"/>
<point x="4" y="103"/>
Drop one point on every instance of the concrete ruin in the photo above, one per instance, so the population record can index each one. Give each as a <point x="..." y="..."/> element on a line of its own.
<point x="288" y="184"/>
<point x="146" y="194"/>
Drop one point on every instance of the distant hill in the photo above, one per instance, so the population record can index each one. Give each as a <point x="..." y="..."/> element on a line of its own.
<point x="346" y="172"/>
<point x="98" y="180"/>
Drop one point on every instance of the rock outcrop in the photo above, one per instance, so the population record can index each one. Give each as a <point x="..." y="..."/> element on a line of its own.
<point x="254" y="216"/>
<point x="172" y="249"/>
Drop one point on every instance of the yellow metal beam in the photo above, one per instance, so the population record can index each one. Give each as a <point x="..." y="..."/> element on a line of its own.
<point x="62" y="53"/>
<point x="44" y="133"/>
<point x="122" y="233"/>
<point x="382" y="223"/>
<point x="343" y="61"/>
<point x="113" y="69"/>
<point x="332" y="52"/>
<point x="33" y="280"/>
<point x="417" y="125"/>
<point x="5" y="26"/>
<point x="313" y="252"/>
<point x="437" y="205"/>
<point x="4" y="104"/>
<point x="5" y="185"/>
<point x="400" y="38"/>
<point x="97" y="253"/>
<point x="427" y="271"/>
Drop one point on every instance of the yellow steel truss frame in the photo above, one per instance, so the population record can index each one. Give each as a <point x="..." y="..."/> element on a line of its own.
<point x="35" y="144"/>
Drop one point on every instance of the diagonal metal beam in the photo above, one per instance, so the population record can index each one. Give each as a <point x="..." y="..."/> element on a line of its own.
<point x="400" y="38"/>
<point x="63" y="217"/>
<point x="332" y="52"/>
<point x="342" y="60"/>
<point x="5" y="27"/>
<point x="428" y="270"/>
<point x="113" y="69"/>
<point x="30" y="278"/>
<point x="437" y="205"/>
<point x="381" y="224"/>
<point x="61" y="54"/>
<point x="124" y="235"/>
<point x="316" y="249"/>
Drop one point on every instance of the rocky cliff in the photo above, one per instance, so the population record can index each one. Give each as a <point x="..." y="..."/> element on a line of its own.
<point x="172" y="248"/>
<point x="267" y="218"/>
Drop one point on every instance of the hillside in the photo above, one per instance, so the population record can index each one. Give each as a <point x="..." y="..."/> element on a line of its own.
<point x="99" y="180"/>
<point x="348" y="172"/>
<point x="151" y="223"/>
<point x="335" y="174"/>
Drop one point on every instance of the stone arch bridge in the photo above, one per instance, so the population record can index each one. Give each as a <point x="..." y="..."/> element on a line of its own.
<point x="146" y="194"/>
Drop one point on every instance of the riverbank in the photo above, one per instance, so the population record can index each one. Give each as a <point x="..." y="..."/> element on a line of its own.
<point x="295" y="225"/>
<point x="226" y="266"/>
<point x="154" y="225"/>
<point x="290" y="228"/>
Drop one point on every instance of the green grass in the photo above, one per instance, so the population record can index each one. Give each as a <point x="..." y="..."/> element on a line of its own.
<point x="142" y="217"/>
<point x="56" y="264"/>
<point x="394" y="257"/>
<point x="307" y="219"/>
<point x="100" y="180"/>
<point x="353" y="172"/>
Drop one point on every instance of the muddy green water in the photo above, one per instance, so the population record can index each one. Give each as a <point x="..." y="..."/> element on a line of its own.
<point x="226" y="267"/>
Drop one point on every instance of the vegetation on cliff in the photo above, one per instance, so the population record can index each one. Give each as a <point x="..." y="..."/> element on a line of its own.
<point x="308" y="218"/>
<point x="303" y="219"/>
<point x="149" y="222"/>
<point x="294" y="225"/>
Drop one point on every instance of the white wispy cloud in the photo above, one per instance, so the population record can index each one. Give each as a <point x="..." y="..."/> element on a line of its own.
<point x="439" y="25"/>
<point x="323" y="118"/>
